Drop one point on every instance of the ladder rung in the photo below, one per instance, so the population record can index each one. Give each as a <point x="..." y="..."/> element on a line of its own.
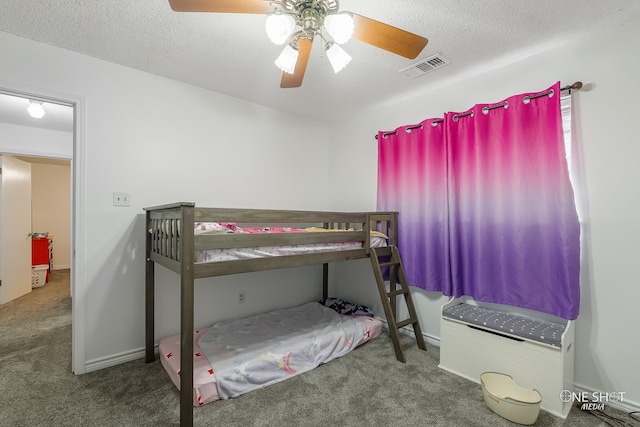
<point x="389" y="296"/>
<point x="409" y="321"/>
<point x="386" y="264"/>
<point x="383" y="251"/>
<point x="400" y="291"/>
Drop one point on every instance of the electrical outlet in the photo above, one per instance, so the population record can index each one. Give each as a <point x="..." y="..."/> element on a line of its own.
<point x="242" y="297"/>
<point x="121" y="199"/>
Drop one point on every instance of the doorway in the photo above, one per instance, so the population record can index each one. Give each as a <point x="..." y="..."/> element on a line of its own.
<point x="50" y="212"/>
<point x="53" y="141"/>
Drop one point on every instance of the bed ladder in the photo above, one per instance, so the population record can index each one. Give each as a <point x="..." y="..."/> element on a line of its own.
<point x="388" y="298"/>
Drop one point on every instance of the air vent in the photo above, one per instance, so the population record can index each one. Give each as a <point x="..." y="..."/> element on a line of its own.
<point x="425" y="66"/>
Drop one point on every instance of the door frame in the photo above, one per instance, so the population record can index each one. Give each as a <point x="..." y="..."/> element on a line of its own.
<point x="78" y="255"/>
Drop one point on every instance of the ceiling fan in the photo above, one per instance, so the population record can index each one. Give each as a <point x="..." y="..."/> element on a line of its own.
<point x="298" y="22"/>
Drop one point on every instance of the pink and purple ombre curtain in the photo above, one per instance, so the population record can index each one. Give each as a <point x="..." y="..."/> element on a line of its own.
<point x="486" y="205"/>
<point x="411" y="162"/>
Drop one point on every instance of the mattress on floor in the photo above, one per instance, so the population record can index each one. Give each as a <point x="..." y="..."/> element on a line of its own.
<point x="355" y="330"/>
<point x="204" y="381"/>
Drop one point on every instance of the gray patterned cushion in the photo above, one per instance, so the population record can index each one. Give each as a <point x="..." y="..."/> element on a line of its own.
<point x="508" y="323"/>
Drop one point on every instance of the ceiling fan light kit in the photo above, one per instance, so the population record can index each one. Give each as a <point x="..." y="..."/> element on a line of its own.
<point x="287" y="59"/>
<point x="295" y="20"/>
<point x="279" y="27"/>
<point x="300" y="21"/>
<point x="337" y="56"/>
<point x="339" y="27"/>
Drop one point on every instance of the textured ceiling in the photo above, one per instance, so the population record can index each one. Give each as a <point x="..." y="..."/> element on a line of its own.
<point x="231" y="54"/>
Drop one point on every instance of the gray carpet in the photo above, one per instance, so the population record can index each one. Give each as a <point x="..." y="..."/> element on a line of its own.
<point x="365" y="388"/>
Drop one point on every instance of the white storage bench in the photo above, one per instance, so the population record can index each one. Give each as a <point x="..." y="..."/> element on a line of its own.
<point x="537" y="351"/>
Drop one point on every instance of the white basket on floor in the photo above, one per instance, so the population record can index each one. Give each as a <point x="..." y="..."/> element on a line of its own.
<point x="39" y="275"/>
<point x="507" y="399"/>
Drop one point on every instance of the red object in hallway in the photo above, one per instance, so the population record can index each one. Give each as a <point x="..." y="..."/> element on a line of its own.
<point x="40" y="253"/>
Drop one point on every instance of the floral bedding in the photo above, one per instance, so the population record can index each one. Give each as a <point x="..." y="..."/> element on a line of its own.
<point x="254" y="352"/>
<point x="293" y="348"/>
<point x="204" y="381"/>
<point x="230" y="254"/>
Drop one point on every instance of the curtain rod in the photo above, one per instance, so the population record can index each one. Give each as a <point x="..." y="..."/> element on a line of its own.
<point x="574" y="86"/>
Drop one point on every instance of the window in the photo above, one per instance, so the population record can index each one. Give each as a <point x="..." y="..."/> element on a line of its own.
<point x="565" y="108"/>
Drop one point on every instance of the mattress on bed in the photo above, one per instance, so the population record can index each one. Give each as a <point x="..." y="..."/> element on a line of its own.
<point x="230" y="254"/>
<point x="259" y="350"/>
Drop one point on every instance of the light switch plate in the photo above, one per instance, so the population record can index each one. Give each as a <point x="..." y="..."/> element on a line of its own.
<point x="121" y="199"/>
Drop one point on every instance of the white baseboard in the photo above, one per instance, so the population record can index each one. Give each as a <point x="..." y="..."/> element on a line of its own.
<point x="115" y="359"/>
<point x="61" y="267"/>
<point x="408" y="330"/>
<point x="624" y="406"/>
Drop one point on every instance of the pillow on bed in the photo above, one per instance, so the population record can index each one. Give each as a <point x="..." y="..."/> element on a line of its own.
<point x="211" y="228"/>
<point x="344" y="307"/>
<point x="379" y="234"/>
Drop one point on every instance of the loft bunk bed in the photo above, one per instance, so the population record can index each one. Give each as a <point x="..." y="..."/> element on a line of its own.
<point x="178" y="237"/>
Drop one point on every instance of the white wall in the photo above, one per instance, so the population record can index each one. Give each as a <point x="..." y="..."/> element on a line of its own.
<point x="36" y="142"/>
<point x="607" y="347"/>
<point x="51" y="208"/>
<point x="163" y="141"/>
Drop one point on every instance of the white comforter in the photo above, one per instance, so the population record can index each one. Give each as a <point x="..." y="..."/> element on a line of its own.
<point x="251" y="353"/>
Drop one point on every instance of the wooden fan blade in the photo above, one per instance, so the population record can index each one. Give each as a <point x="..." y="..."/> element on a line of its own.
<point x="295" y="79"/>
<point x="387" y="37"/>
<point x="222" y="6"/>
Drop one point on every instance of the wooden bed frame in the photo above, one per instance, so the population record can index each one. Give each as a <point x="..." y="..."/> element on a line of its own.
<point x="171" y="242"/>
